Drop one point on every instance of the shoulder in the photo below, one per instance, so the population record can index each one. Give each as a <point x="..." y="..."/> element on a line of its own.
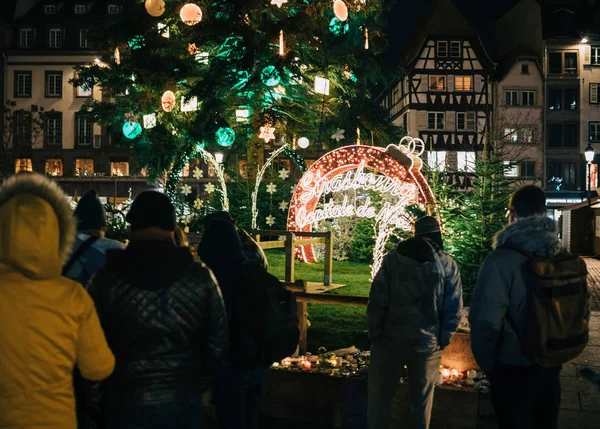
<point x="105" y="244"/>
<point x="81" y="301"/>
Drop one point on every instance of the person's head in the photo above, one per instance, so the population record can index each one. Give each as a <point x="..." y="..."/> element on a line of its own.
<point x="152" y="217"/>
<point x="180" y="237"/>
<point x="529" y="201"/>
<point x="429" y="228"/>
<point x="90" y="214"/>
<point x="222" y="216"/>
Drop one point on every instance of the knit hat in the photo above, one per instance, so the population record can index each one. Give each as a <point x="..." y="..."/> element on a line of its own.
<point x="151" y="209"/>
<point x="90" y="212"/>
<point x="426" y="225"/>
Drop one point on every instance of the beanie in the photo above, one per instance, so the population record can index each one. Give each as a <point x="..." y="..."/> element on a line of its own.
<point x="90" y="212"/>
<point x="151" y="209"/>
<point x="426" y="225"/>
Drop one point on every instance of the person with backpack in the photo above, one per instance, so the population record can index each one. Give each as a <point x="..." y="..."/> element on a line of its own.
<point x="91" y="244"/>
<point x="165" y="321"/>
<point x="414" y="309"/>
<point x="529" y="315"/>
<point x="48" y="323"/>
<point x="263" y="325"/>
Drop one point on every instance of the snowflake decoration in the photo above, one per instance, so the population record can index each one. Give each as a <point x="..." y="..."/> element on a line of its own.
<point x="185" y="220"/>
<point x="267" y="133"/>
<point x="271" y="188"/>
<point x="338" y="135"/>
<point x="209" y="188"/>
<point x="198" y="204"/>
<point x="186" y="190"/>
<point x="278" y="2"/>
<point x="270" y="220"/>
<point x="198" y="174"/>
<point x="293" y="189"/>
<point x="284" y="173"/>
<point x="283" y="206"/>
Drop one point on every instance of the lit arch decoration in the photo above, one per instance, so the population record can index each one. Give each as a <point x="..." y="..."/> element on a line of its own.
<point x="399" y="163"/>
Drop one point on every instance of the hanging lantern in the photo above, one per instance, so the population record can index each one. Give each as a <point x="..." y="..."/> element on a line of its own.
<point x="131" y="129"/>
<point x="191" y="14"/>
<point x="150" y="121"/>
<point x="303" y="142"/>
<point x="340" y="10"/>
<point x="168" y="101"/>
<point x="155" y="7"/>
<point x="225" y="136"/>
<point x="189" y="104"/>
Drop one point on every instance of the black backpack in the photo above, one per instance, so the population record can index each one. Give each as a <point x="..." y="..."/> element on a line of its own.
<point x="558" y="302"/>
<point x="268" y="318"/>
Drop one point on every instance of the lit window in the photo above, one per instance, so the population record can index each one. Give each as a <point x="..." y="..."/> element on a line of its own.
<point x="511" y="135"/>
<point x="455" y="49"/>
<point x="119" y="169"/>
<point x="571" y="98"/>
<point x="463" y="83"/>
<point x="511" y="169"/>
<point x="437" y="83"/>
<point x="113" y="9"/>
<point x="53" y="84"/>
<point x="55" y="38"/>
<point x="54" y="167"/>
<point x="23" y="164"/>
<point x="80" y="9"/>
<point x="22" y="84"/>
<point x="50" y="9"/>
<point x="435" y="120"/>
<point x="442" y="49"/>
<point x="528" y="135"/>
<point x="528" y="98"/>
<point x="554" y="98"/>
<point x="436" y="160"/>
<point x="185" y="171"/>
<point x="83" y="39"/>
<point x="85" y="90"/>
<point x="25" y="38"/>
<point x="84" y="167"/>
<point x="511" y="98"/>
<point x="465" y="161"/>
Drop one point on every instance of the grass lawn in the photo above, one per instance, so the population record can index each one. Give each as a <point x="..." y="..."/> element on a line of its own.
<point x="331" y="326"/>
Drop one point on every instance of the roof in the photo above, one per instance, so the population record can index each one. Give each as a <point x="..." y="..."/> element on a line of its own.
<point x="506" y="63"/>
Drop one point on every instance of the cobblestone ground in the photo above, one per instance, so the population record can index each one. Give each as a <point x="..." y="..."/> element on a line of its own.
<point x="593" y="266"/>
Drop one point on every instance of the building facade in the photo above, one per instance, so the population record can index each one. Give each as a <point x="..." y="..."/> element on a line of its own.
<point x="445" y="97"/>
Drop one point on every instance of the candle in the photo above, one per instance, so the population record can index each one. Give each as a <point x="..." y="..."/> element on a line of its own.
<point x="446" y="373"/>
<point x="471" y="374"/>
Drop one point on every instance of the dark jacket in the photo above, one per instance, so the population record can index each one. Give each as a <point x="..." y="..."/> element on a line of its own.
<point x="415" y="302"/>
<point x="501" y="291"/>
<point x="252" y="250"/>
<point x="164" y="319"/>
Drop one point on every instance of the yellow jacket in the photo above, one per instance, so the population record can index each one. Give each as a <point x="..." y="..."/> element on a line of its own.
<point x="48" y="323"/>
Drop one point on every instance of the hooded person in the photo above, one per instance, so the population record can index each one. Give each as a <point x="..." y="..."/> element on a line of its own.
<point x="414" y="309"/>
<point x="89" y="251"/>
<point x="48" y="323"/>
<point x="237" y="387"/>
<point x="164" y="319"/>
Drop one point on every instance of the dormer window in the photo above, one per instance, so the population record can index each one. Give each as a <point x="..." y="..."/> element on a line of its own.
<point x="113" y="9"/>
<point x="80" y="9"/>
<point x="50" y="9"/>
<point x="442" y="49"/>
<point x="455" y="49"/>
<point x="25" y="38"/>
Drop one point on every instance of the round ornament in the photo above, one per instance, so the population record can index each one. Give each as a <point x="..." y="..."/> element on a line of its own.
<point x="131" y="129"/>
<point x="168" y="101"/>
<point x="225" y="136"/>
<point x="191" y="14"/>
<point x="270" y="76"/>
<point x="340" y="10"/>
<point x="338" y="27"/>
<point x="303" y="142"/>
<point x="155" y="7"/>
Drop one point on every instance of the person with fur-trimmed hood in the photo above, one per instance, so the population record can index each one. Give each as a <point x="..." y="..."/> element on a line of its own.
<point x="524" y="395"/>
<point x="48" y="323"/>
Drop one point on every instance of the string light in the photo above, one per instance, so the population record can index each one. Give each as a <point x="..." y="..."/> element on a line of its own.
<point x="259" y="178"/>
<point x="281" y="44"/>
<point x="366" y="38"/>
<point x="329" y="174"/>
<point x="218" y="167"/>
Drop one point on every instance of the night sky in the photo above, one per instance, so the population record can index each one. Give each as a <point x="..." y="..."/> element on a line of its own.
<point x="408" y="14"/>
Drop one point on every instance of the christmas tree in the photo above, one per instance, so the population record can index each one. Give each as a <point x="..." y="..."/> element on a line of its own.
<point x="237" y="74"/>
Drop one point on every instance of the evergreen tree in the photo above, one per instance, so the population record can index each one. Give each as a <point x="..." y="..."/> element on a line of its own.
<point x="233" y="68"/>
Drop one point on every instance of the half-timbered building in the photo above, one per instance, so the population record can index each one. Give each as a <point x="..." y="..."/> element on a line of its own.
<point x="445" y="96"/>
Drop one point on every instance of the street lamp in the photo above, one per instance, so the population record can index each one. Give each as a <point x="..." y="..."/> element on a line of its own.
<point x="589" y="157"/>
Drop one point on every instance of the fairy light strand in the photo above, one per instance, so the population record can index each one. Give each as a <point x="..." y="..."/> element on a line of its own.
<point x="210" y="159"/>
<point x="259" y="178"/>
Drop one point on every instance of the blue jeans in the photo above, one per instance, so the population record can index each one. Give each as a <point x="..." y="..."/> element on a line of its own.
<point x="180" y="414"/>
<point x="237" y="393"/>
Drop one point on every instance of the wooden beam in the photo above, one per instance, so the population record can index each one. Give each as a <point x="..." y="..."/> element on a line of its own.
<point x="280" y="244"/>
<point x="306" y="241"/>
<point x="321" y="298"/>
<point x="290" y="257"/>
<point x="328" y="263"/>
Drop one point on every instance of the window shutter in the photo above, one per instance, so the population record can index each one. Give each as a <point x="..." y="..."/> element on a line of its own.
<point x="587" y="55"/>
<point x="594" y="93"/>
<point x="450" y="78"/>
<point x="450" y="119"/>
<point x="478" y="82"/>
<point x="422" y="120"/>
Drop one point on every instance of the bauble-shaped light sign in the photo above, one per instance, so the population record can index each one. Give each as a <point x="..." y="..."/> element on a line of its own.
<point x="270" y="76"/>
<point x="155" y="7"/>
<point x="167" y="101"/>
<point x="191" y="14"/>
<point x="131" y="129"/>
<point x="225" y="136"/>
<point x="340" y="10"/>
<point x="303" y="142"/>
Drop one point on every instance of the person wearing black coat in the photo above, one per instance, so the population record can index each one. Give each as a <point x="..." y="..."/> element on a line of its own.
<point x="238" y="386"/>
<point x="165" y="321"/>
